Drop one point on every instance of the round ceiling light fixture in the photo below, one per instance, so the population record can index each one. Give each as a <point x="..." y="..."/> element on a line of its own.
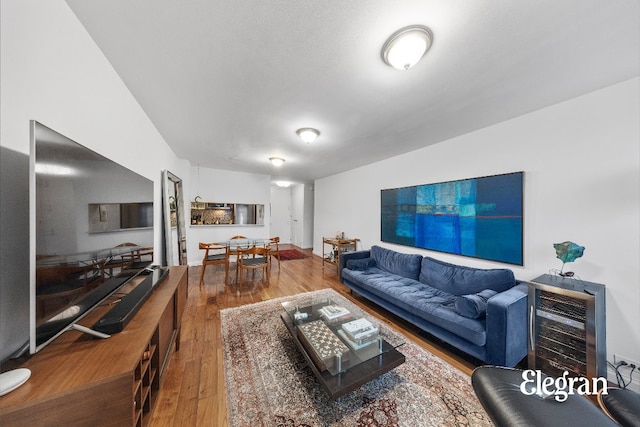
<point x="308" y="135"/>
<point x="404" y="48"/>
<point x="276" y="161"/>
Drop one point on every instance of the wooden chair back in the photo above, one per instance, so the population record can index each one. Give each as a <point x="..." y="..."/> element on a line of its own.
<point x="253" y="258"/>
<point x="274" y="250"/>
<point x="214" y="254"/>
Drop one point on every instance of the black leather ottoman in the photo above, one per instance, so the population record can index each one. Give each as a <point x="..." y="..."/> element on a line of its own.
<point x="621" y="405"/>
<point x="498" y="390"/>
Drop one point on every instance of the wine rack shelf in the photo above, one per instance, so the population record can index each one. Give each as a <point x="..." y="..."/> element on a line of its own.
<point x="567" y="327"/>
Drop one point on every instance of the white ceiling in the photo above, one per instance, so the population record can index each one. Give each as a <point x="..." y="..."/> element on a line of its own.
<point x="227" y="83"/>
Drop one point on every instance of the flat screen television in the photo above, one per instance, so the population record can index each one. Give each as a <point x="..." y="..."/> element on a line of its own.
<point x="91" y="223"/>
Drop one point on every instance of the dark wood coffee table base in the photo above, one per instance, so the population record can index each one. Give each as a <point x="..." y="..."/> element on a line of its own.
<point x="345" y="382"/>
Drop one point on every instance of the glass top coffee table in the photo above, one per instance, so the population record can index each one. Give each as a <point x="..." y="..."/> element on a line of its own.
<point x="344" y="349"/>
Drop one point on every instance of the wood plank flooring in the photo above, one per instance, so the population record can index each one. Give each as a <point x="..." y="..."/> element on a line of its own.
<point x="193" y="390"/>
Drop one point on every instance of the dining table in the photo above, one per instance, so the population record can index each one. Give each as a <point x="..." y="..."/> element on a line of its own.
<point x="237" y="246"/>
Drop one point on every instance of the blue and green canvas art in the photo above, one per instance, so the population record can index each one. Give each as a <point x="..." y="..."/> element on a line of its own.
<point x="478" y="217"/>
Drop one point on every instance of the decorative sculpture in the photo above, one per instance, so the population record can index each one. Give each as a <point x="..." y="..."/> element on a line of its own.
<point x="567" y="252"/>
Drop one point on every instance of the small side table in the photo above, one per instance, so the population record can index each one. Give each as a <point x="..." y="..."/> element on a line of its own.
<point x="336" y="247"/>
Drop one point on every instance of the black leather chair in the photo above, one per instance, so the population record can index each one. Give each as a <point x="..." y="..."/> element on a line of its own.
<point x="622" y="405"/>
<point x="498" y="390"/>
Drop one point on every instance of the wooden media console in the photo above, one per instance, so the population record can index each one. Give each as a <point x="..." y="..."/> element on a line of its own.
<point x="81" y="380"/>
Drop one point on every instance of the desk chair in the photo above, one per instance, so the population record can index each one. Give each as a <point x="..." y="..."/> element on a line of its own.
<point x="214" y="254"/>
<point x="252" y="259"/>
<point x="274" y="250"/>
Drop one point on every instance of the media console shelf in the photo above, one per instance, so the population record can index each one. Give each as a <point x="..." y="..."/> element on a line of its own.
<point x="81" y="380"/>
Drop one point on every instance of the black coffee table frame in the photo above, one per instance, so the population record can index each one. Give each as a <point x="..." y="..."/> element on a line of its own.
<point x="351" y="379"/>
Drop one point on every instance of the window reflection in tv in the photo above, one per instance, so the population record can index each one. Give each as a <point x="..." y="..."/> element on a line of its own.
<point x="77" y="268"/>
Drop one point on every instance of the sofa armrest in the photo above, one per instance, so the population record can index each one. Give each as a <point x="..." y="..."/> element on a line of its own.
<point x="507" y="326"/>
<point x="346" y="256"/>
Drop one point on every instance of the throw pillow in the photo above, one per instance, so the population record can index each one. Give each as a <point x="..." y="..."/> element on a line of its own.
<point x="474" y="306"/>
<point x="360" y="264"/>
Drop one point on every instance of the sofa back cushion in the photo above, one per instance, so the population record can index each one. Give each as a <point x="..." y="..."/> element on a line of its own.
<point x="474" y="306"/>
<point x="407" y="265"/>
<point x="460" y="280"/>
<point x="360" y="263"/>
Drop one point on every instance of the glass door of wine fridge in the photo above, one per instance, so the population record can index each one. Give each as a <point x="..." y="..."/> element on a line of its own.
<point x="567" y="327"/>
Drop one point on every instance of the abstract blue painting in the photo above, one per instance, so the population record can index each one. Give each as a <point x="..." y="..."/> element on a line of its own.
<point x="477" y="217"/>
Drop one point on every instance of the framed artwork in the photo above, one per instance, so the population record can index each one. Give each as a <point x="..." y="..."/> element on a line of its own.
<point x="476" y="217"/>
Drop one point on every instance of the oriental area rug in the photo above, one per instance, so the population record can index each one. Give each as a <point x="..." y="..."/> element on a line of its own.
<point x="269" y="384"/>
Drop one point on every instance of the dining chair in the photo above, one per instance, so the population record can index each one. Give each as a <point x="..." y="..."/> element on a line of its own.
<point x="214" y="254"/>
<point x="139" y="259"/>
<point x="59" y="285"/>
<point x="252" y="259"/>
<point x="234" y="249"/>
<point x="121" y="261"/>
<point x="274" y="250"/>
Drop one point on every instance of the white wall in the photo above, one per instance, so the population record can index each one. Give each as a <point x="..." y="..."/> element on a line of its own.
<point x="302" y="200"/>
<point x="281" y="213"/>
<point x="307" y="229"/>
<point x="53" y="72"/>
<point x="223" y="186"/>
<point x="581" y="160"/>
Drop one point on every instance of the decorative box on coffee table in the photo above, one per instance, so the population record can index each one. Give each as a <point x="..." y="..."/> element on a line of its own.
<point x="322" y="344"/>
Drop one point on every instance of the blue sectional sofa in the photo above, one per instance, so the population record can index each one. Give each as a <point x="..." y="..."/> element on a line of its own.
<point x="481" y="312"/>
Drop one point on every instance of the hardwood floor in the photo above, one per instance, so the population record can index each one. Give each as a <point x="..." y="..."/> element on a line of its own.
<point x="193" y="388"/>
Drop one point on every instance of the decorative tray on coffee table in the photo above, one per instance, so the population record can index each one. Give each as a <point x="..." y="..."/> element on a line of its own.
<point x="343" y="348"/>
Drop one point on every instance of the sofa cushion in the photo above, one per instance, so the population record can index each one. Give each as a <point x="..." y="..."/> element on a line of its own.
<point x="406" y="265"/>
<point x="431" y="304"/>
<point x="474" y="306"/>
<point x="361" y="263"/>
<point x="461" y="280"/>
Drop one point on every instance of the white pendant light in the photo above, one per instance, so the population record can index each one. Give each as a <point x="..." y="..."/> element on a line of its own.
<point x="308" y="135"/>
<point x="404" y="48"/>
<point x="276" y="161"/>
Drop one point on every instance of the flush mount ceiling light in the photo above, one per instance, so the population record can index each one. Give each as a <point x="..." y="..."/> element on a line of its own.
<point x="276" y="161"/>
<point x="308" y="135"/>
<point x="283" y="184"/>
<point x="404" y="48"/>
